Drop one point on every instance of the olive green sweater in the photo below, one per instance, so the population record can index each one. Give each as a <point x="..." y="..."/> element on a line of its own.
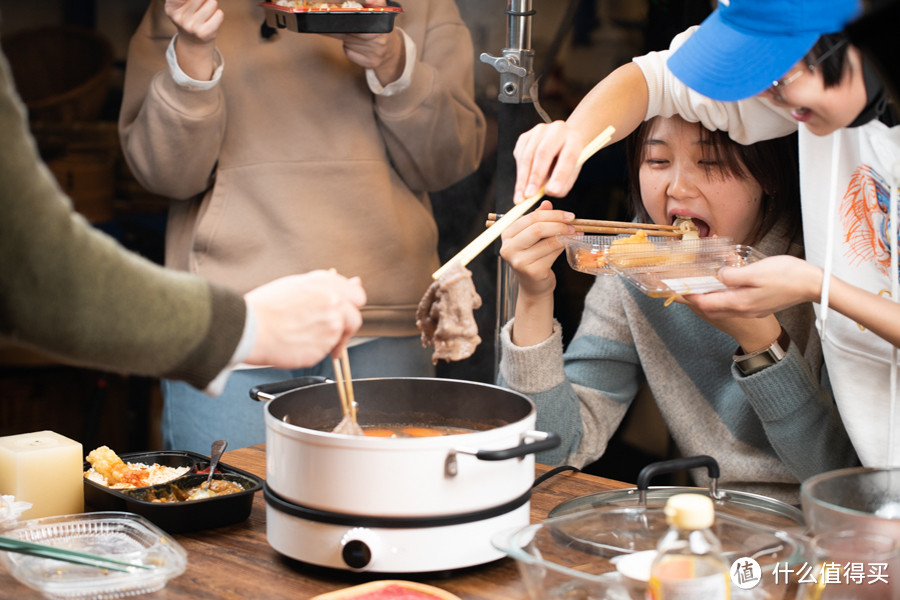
<point x="71" y="292"/>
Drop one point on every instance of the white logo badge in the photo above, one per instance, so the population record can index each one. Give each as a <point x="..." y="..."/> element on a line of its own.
<point x="746" y="573"/>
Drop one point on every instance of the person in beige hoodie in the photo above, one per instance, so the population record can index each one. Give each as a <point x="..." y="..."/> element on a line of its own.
<point x="285" y="152"/>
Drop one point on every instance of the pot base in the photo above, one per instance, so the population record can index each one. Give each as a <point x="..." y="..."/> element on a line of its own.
<point x="389" y="550"/>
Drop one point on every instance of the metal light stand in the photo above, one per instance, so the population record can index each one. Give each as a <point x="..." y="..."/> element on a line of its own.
<point x="516" y="115"/>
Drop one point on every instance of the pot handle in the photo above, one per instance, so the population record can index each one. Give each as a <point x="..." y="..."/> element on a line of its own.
<point x="679" y="464"/>
<point x="269" y="391"/>
<point x="530" y="442"/>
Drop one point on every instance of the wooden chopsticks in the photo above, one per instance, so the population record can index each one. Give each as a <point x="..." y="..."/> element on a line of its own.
<point x="484" y="239"/>
<point x="80" y="558"/>
<point x="610" y="227"/>
<point x="345" y="384"/>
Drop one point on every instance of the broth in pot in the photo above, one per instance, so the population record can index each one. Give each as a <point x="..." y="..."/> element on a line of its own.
<point x="412" y="431"/>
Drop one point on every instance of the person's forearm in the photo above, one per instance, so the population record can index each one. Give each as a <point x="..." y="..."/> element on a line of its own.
<point x="170" y="135"/>
<point x="434" y="131"/>
<point x="534" y="320"/>
<point x="196" y="59"/>
<point x="620" y="100"/>
<point x="799" y="417"/>
<point x="753" y="335"/>
<point x="879" y="314"/>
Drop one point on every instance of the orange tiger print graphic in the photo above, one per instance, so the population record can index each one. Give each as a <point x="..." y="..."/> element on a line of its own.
<point x="864" y="219"/>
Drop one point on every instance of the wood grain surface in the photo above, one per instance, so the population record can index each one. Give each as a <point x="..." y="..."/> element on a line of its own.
<point x="237" y="561"/>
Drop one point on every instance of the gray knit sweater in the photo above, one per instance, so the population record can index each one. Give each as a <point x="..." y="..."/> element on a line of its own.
<point x="768" y="431"/>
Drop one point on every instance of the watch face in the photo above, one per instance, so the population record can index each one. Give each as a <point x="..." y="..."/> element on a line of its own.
<point x="748" y="364"/>
<point x="751" y="365"/>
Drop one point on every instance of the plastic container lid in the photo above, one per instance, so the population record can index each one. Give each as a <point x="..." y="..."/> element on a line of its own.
<point x="690" y="511"/>
<point x="123" y="536"/>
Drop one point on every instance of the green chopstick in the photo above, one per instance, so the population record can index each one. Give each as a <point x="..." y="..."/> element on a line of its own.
<point x="80" y="558"/>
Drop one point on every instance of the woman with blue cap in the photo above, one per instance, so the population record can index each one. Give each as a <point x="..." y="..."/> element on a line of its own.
<point x="761" y="69"/>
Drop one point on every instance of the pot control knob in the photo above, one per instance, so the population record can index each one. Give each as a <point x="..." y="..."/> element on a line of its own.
<point x="356" y="554"/>
<point x="359" y="547"/>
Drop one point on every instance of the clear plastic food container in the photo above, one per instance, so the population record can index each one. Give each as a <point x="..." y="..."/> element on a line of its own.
<point x="117" y="535"/>
<point x="587" y="253"/>
<point x="659" y="267"/>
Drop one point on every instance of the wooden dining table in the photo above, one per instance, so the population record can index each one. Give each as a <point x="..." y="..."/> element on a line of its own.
<point x="237" y="562"/>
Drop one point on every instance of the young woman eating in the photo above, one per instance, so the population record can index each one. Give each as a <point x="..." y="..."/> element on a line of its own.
<point x="769" y="428"/>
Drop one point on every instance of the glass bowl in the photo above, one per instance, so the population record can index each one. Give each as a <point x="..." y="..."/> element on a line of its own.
<point x="575" y="555"/>
<point x="860" y="498"/>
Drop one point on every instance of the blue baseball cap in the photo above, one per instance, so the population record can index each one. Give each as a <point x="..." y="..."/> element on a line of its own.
<point x="745" y="45"/>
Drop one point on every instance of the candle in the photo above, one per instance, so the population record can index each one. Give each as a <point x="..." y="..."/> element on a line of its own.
<point x="45" y="469"/>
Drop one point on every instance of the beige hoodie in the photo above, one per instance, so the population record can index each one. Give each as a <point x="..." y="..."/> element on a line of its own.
<point x="291" y="163"/>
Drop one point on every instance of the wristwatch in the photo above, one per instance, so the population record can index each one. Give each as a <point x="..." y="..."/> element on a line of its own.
<point x="748" y="364"/>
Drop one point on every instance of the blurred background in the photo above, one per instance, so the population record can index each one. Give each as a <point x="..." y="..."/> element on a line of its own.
<point x="68" y="59"/>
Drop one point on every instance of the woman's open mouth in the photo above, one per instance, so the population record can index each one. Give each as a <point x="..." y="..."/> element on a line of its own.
<point x="700" y="224"/>
<point x="801" y="114"/>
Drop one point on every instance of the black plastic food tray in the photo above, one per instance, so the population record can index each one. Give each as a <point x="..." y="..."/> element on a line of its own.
<point x="178" y="517"/>
<point x="367" y="20"/>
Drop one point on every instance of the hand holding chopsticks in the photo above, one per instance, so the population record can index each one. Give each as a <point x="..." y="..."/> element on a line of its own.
<point x="490" y="234"/>
<point x="64" y="554"/>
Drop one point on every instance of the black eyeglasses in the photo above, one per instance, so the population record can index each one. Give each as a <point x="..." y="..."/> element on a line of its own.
<point x="777" y="87"/>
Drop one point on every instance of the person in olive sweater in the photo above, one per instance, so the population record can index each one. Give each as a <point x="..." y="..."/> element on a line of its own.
<point x="73" y="293"/>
